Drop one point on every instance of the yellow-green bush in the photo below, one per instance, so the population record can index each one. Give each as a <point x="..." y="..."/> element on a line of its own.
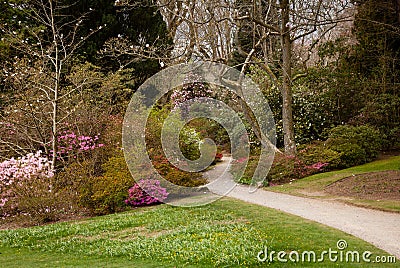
<point x="110" y="190"/>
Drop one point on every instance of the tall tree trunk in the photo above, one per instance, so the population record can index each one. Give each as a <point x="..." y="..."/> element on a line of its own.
<point x="57" y="70"/>
<point x="287" y="110"/>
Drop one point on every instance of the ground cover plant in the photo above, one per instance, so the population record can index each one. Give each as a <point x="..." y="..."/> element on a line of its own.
<point x="227" y="233"/>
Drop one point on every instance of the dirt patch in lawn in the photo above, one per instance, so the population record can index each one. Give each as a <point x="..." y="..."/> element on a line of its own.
<point x="383" y="185"/>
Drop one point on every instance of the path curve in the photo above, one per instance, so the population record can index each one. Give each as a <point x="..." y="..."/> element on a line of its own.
<point x="382" y="229"/>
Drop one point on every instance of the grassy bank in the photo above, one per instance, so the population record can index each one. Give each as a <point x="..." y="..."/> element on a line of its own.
<point x="314" y="185"/>
<point x="227" y="233"/>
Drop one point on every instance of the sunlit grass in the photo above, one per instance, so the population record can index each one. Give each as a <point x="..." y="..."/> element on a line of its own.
<point x="227" y="233"/>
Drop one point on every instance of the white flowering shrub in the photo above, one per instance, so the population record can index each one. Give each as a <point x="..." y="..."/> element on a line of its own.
<point x="26" y="188"/>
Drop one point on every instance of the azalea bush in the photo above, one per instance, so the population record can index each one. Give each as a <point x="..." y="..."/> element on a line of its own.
<point x="72" y="146"/>
<point x="146" y="192"/>
<point x="26" y="188"/>
<point x="19" y="171"/>
<point x="318" y="151"/>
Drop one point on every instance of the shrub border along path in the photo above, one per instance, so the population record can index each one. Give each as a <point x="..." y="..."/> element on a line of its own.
<point x="379" y="228"/>
<point x="314" y="186"/>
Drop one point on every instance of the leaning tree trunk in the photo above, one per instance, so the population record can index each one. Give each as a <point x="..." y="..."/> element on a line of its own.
<point x="287" y="110"/>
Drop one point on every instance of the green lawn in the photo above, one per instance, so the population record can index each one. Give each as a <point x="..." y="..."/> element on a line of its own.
<point x="314" y="185"/>
<point x="227" y="233"/>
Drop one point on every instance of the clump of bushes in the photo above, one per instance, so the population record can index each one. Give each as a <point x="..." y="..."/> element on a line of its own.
<point x="356" y="144"/>
<point x="108" y="192"/>
<point x="346" y="146"/>
<point x="286" y="169"/>
<point x="283" y="169"/>
<point x="318" y="152"/>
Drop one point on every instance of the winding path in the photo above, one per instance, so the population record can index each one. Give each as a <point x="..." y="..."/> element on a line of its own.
<point x="379" y="228"/>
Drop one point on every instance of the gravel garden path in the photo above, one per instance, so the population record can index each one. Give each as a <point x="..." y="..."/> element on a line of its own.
<point x="379" y="228"/>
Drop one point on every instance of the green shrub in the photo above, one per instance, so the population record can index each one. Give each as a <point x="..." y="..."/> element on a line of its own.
<point x="110" y="190"/>
<point x="393" y="138"/>
<point x="283" y="169"/>
<point x="383" y="112"/>
<point x="286" y="169"/>
<point x="346" y="146"/>
<point x="189" y="141"/>
<point x="187" y="179"/>
<point x="351" y="154"/>
<point x="366" y="137"/>
<point x="318" y="152"/>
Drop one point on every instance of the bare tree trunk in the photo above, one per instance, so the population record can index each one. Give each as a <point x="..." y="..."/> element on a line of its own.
<point x="54" y="144"/>
<point x="287" y="109"/>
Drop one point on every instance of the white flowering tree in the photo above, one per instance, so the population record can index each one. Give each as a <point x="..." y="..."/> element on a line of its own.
<point x="45" y="43"/>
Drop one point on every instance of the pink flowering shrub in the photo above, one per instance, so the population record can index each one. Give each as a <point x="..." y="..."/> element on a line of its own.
<point x="318" y="167"/>
<point x="72" y="145"/>
<point x="28" y="190"/>
<point x="286" y="169"/>
<point x="150" y="192"/>
<point x="18" y="171"/>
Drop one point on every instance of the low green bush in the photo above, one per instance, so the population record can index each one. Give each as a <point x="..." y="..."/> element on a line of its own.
<point x="284" y="169"/>
<point x="367" y="138"/>
<point x="186" y="179"/>
<point x="346" y="146"/>
<point x="351" y="154"/>
<point x="110" y="190"/>
<point x="318" y="152"/>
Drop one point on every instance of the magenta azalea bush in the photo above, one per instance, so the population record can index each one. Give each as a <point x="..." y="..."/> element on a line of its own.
<point x="149" y="192"/>
<point x="17" y="171"/>
<point x="70" y="144"/>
